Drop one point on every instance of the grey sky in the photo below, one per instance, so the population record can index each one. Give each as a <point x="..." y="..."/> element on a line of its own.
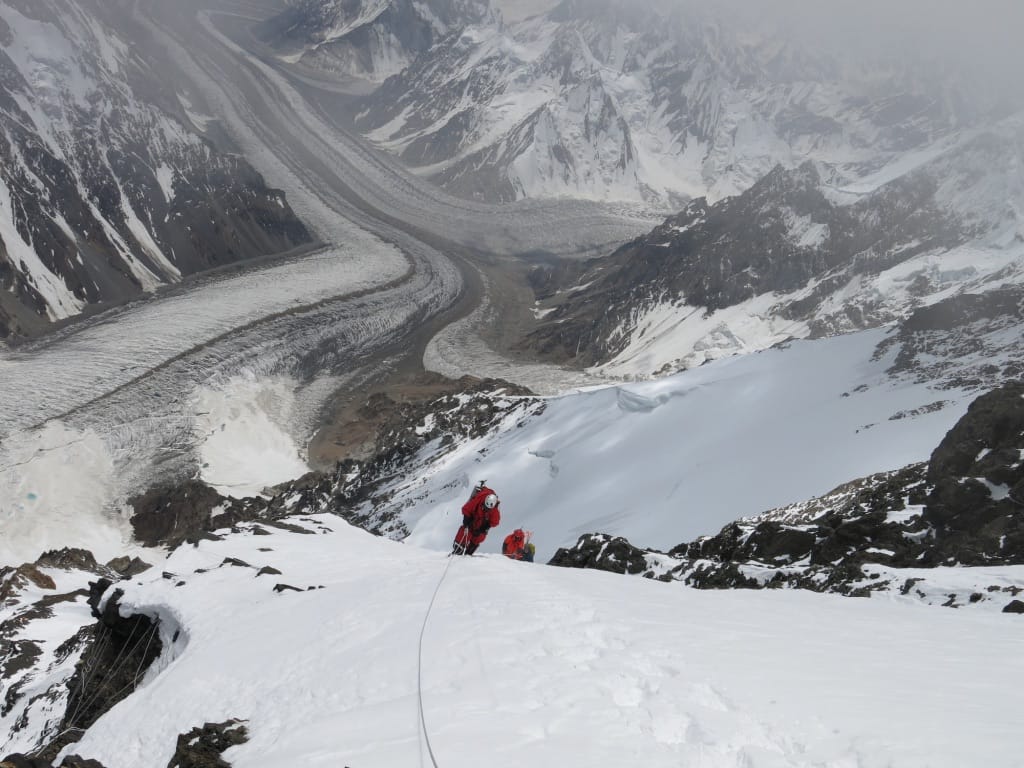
<point x="980" y="42"/>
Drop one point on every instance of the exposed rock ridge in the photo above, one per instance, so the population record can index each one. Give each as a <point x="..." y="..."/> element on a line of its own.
<point x="887" y="532"/>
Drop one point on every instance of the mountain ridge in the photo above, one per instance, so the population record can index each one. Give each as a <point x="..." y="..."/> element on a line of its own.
<point x="108" y="189"/>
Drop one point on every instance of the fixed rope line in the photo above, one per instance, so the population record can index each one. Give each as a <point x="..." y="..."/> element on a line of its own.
<point x="115" y="667"/>
<point x="142" y="659"/>
<point x="84" y="702"/>
<point x="97" y="650"/>
<point x="419" y="662"/>
<point x="91" y="659"/>
<point x="90" y="662"/>
<point x="134" y="683"/>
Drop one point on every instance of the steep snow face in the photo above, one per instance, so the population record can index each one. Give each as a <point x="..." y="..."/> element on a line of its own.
<point x="389" y="654"/>
<point x="610" y="101"/>
<point x="104" y="190"/>
<point x="371" y="39"/>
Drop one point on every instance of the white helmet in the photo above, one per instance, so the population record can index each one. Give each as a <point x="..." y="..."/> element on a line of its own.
<point x="491" y="501"/>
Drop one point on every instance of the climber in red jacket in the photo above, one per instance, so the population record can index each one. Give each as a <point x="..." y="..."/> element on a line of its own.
<point x="479" y="515"/>
<point x="517" y="545"/>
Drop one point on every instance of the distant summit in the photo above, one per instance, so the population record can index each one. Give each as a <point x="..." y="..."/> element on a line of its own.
<point x="371" y="39"/>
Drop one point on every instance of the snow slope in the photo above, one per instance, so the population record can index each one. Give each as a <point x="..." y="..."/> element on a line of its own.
<point x="664" y="461"/>
<point x="522" y="664"/>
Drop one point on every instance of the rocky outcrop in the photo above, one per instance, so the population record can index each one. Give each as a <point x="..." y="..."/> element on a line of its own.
<point x="199" y="748"/>
<point x="112" y="657"/>
<point x="963" y="508"/>
<point x="967" y="341"/>
<point x="126" y="567"/>
<point x="56" y="669"/>
<point x="25" y="761"/>
<point x="111" y="669"/>
<point x="172" y="515"/>
<point x="202" y="747"/>
<point x="13" y="580"/>
<point x="33" y="668"/>
<point x="976" y="476"/>
<point x="603" y="553"/>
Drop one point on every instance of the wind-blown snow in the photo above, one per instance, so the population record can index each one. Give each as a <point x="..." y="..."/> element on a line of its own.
<point x="527" y="665"/>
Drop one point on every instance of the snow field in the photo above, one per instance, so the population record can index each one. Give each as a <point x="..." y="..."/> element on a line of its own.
<point x="665" y="461"/>
<point x="525" y="664"/>
<point x="242" y="433"/>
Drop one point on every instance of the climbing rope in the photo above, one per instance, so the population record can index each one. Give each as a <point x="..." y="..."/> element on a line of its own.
<point x="119" y="661"/>
<point x="89" y="662"/>
<point x="142" y="658"/>
<point x="419" y="663"/>
<point x="134" y="683"/>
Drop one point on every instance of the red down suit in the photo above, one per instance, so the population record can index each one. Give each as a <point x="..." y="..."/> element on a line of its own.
<point x="477" y="520"/>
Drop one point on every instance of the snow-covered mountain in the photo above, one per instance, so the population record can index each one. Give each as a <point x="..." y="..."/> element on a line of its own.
<point x="108" y="185"/>
<point x="659" y="102"/>
<point x="825" y="188"/>
<point x="860" y="233"/>
<point x="370" y="39"/>
<point x="657" y="462"/>
<point x="799" y="255"/>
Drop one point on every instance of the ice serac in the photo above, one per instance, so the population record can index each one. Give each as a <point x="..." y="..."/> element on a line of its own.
<point x="108" y="185"/>
<point x="370" y="39"/>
